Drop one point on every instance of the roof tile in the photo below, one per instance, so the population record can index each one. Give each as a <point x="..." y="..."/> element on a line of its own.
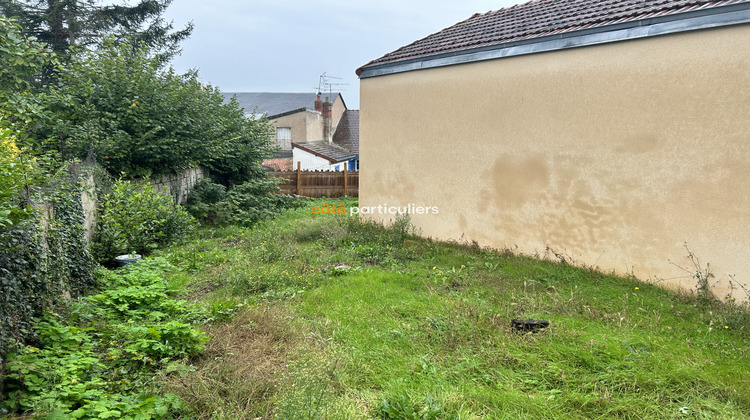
<point x="539" y="18"/>
<point x="347" y="131"/>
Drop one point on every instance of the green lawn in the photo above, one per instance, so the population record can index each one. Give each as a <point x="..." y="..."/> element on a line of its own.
<point x="345" y="319"/>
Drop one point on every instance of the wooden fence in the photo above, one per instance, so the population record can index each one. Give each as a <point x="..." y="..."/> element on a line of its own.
<point x="319" y="183"/>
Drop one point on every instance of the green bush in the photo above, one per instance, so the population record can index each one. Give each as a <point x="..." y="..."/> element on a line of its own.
<point x="13" y="174"/>
<point x="22" y="59"/>
<point x="203" y="201"/>
<point x="244" y="205"/>
<point x="257" y="200"/>
<point x="137" y="218"/>
<point x="119" y="106"/>
<point x="100" y="363"/>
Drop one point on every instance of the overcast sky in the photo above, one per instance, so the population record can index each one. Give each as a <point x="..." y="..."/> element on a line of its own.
<point x="285" y="45"/>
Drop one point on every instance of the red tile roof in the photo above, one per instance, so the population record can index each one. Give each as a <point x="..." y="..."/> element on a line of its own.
<point x="540" y="18"/>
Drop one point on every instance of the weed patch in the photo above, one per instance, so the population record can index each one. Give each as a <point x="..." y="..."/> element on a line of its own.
<point x="99" y="360"/>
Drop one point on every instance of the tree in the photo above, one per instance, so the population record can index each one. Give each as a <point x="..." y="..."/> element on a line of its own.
<point x="84" y="23"/>
<point x="13" y="178"/>
<point x="138" y="119"/>
<point x="21" y="61"/>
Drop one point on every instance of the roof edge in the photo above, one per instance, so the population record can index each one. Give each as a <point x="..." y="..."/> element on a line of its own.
<point x="293" y="111"/>
<point x="734" y="14"/>
<point x="320" y="155"/>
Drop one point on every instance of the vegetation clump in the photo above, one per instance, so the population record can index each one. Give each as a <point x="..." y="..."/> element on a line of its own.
<point x="243" y="205"/>
<point x="138" y="219"/>
<point x="98" y="361"/>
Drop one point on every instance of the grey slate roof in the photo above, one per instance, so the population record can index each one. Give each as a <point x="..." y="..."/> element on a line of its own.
<point x="329" y="151"/>
<point x="347" y="131"/>
<point x="538" y="19"/>
<point x="272" y="104"/>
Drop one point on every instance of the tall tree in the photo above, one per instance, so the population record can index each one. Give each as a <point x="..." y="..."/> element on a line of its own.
<point x="21" y="61"/>
<point x="64" y="23"/>
<point x="118" y="106"/>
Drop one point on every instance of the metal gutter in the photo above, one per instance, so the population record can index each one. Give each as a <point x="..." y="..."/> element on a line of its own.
<point x="734" y="14"/>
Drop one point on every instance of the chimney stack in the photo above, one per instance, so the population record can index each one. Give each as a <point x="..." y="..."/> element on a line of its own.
<point x="318" y="104"/>
<point x="327" y="113"/>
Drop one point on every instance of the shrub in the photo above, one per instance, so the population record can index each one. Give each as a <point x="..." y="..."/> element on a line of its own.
<point x="21" y="60"/>
<point x="13" y="172"/>
<point x="117" y="105"/>
<point x="256" y="200"/>
<point x="136" y="218"/>
<point x="244" y="205"/>
<point x="203" y="201"/>
<point x="100" y="363"/>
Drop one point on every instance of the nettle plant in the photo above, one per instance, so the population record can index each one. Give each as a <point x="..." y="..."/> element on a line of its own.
<point x="100" y="362"/>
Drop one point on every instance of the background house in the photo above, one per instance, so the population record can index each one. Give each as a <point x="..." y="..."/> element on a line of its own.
<point x="611" y="132"/>
<point x="347" y="136"/>
<point x="322" y="156"/>
<point x="296" y="117"/>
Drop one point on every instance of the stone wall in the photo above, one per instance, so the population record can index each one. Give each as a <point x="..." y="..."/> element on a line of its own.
<point x="178" y="185"/>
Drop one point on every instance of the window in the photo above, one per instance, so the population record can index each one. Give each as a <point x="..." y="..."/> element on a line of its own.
<point x="284" y="137"/>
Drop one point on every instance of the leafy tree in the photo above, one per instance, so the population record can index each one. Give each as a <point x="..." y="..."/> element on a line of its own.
<point x="21" y="61"/>
<point x="14" y="174"/>
<point x="137" y="120"/>
<point x="65" y="23"/>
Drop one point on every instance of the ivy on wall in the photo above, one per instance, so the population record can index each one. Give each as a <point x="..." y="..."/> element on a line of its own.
<point x="43" y="259"/>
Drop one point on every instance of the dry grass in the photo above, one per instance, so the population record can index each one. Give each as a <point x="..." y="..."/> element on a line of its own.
<point x="241" y="370"/>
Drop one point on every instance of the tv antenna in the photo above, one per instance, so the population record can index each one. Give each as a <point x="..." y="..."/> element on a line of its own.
<point x="324" y="83"/>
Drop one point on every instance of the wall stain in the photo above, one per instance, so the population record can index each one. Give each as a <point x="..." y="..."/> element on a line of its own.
<point x="516" y="181"/>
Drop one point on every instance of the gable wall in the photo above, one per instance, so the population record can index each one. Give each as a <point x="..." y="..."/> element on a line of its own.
<point x="306" y="125"/>
<point x="337" y="111"/>
<point x="614" y="154"/>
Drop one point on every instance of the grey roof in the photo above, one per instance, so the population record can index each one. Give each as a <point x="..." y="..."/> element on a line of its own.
<point x="272" y="103"/>
<point x="347" y="131"/>
<point x="329" y="151"/>
<point x="507" y="31"/>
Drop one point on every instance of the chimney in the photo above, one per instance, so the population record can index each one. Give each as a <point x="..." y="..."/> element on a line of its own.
<point x="327" y="112"/>
<point x="318" y="104"/>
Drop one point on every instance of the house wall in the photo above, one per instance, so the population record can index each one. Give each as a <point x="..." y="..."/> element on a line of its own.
<point x="615" y="155"/>
<point x="337" y="111"/>
<point x="311" y="162"/>
<point x="306" y="125"/>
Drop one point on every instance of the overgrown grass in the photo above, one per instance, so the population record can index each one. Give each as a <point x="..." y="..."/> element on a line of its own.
<point x="348" y="319"/>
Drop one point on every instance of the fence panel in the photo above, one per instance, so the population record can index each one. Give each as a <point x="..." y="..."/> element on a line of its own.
<point x="319" y="183"/>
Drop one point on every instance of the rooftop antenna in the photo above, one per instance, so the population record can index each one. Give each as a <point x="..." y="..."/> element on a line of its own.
<point x="324" y="83"/>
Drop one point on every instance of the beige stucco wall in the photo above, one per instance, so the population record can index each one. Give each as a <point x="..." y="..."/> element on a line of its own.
<point x="337" y="111"/>
<point x="615" y="155"/>
<point x="306" y="125"/>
